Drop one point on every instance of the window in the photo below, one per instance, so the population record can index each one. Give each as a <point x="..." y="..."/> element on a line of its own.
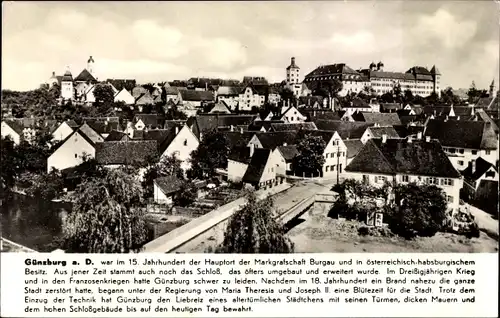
<point x="460" y="151"/>
<point x="447" y="182"/>
<point x="380" y="179"/>
<point x="326" y="169"/>
<point x="432" y="180"/>
<point x="474" y="152"/>
<point x="76" y="155"/>
<point x="449" y="198"/>
<point x="451" y="150"/>
<point x="405" y="178"/>
<point x="185" y="142"/>
<point x="490" y="174"/>
<point x="326" y="156"/>
<point x="366" y="179"/>
<point x="487" y="152"/>
<point x="460" y="162"/>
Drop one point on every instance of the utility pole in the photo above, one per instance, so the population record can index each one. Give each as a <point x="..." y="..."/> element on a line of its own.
<point x="338" y="159"/>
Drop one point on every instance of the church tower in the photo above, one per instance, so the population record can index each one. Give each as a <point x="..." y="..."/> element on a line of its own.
<point x="90" y="66"/>
<point x="292" y="73"/>
<point x="436" y="77"/>
<point x="67" y="92"/>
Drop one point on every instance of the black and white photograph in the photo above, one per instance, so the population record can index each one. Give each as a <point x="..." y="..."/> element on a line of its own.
<point x="250" y="127"/>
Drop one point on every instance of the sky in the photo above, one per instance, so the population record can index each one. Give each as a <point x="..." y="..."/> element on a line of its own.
<point x="163" y="41"/>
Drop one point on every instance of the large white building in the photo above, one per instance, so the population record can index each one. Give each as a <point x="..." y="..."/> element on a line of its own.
<point x="419" y="80"/>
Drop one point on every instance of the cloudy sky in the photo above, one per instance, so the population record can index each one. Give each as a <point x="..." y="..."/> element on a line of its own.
<point x="157" y="41"/>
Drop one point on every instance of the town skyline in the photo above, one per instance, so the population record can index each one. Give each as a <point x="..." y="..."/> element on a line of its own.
<point x="247" y="39"/>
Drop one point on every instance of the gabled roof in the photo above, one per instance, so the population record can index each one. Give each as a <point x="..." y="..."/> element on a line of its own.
<point x="346" y="129"/>
<point x="163" y="137"/>
<point x="378" y="132"/>
<point x="463" y="134"/>
<point x="317" y="114"/>
<point x="398" y="156"/>
<point x="169" y="184"/>
<point x="117" y="136"/>
<point x="255" y="169"/>
<point x="382" y="119"/>
<point x="71" y="123"/>
<point x="240" y="154"/>
<point x="238" y="139"/>
<point x="171" y="90"/>
<point x="298" y="126"/>
<point x="220" y="108"/>
<point x="481" y="167"/>
<point x="125" y="152"/>
<point x="196" y="96"/>
<point x="103" y="126"/>
<point x="228" y="90"/>
<point x="357" y="103"/>
<point x="434" y="70"/>
<point x="258" y="124"/>
<point x="405" y="131"/>
<point x="390" y="106"/>
<point x="85" y="76"/>
<point x="353" y="147"/>
<point x="341" y="68"/>
<point x="150" y="120"/>
<point x="288" y="152"/>
<point x="80" y="133"/>
<point x="271" y="140"/>
<point x="144" y="99"/>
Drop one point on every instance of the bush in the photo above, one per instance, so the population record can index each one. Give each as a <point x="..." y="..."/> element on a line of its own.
<point x="364" y="230"/>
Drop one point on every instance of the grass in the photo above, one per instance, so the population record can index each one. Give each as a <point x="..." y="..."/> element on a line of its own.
<point x="320" y="234"/>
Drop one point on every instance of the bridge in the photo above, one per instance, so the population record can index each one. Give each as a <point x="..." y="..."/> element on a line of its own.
<point x="208" y="229"/>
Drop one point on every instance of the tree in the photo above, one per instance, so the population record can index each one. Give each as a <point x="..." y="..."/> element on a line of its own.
<point x="173" y="113"/>
<point x="418" y="210"/>
<point x="433" y="98"/>
<point x="287" y="94"/>
<point x="254" y="229"/>
<point x="387" y="98"/>
<point x="211" y="153"/>
<point x="310" y="159"/>
<point x="10" y="164"/>
<point x="104" y="98"/>
<point x="106" y="217"/>
<point x="408" y="96"/>
<point x="167" y="166"/>
<point x="186" y="195"/>
<point x="396" y="91"/>
<point x="46" y="186"/>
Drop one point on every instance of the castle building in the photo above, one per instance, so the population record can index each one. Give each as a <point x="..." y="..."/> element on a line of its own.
<point x="75" y="88"/>
<point x="419" y="80"/>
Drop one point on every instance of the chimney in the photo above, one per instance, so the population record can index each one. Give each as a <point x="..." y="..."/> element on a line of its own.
<point x="53" y="73"/>
<point x="232" y="128"/>
<point x="458" y="118"/>
<point x="419" y="135"/>
<point x="473" y="162"/>
<point x="384" y="138"/>
<point x="176" y="130"/>
<point x="284" y="144"/>
<point x="252" y="149"/>
<point x="427" y="138"/>
<point x="241" y="130"/>
<point x="410" y="139"/>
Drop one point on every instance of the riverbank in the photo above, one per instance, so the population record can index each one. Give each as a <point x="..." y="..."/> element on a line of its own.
<point x="318" y="233"/>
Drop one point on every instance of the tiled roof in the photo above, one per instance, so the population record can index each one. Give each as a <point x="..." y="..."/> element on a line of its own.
<point x="256" y="166"/>
<point x="288" y="152"/>
<point x="120" y="84"/>
<point x="67" y="77"/>
<point x="103" y="127"/>
<point x="298" y="126"/>
<point x="382" y="119"/>
<point x="377" y="132"/>
<point x="317" y="114"/>
<point x="357" y="103"/>
<point x="353" y="147"/>
<point x="419" y="70"/>
<point x="85" y="76"/>
<point x="238" y="139"/>
<point x="346" y="129"/>
<point x="138" y="91"/>
<point x="481" y="167"/>
<point x="71" y="123"/>
<point x="390" y="75"/>
<point x="390" y="106"/>
<point x="117" y="136"/>
<point x="169" y="184"/>
<point x="171" y="90"/>
<point x="405" y="131"/>
<point x="398" y="156"/>
<point x="144" y="99"/>
<point x="271" y="140"/>
<point x="332" y="69"/>
<point x="444" y="110"/>
<point x="150" y="120"/>
<point x="228" y="90"/>
<point x="163" y="137"/>
<point x="196" y="96"/>
<point x="221" y="108"/>
<point x="463" y="134"/>
<point x="81" y="133"/>
<point x="240" y="154"/>
<point x="125" y="152"/>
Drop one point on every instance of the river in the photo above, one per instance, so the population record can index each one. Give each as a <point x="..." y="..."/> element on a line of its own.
<point x="32" y="223"/>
